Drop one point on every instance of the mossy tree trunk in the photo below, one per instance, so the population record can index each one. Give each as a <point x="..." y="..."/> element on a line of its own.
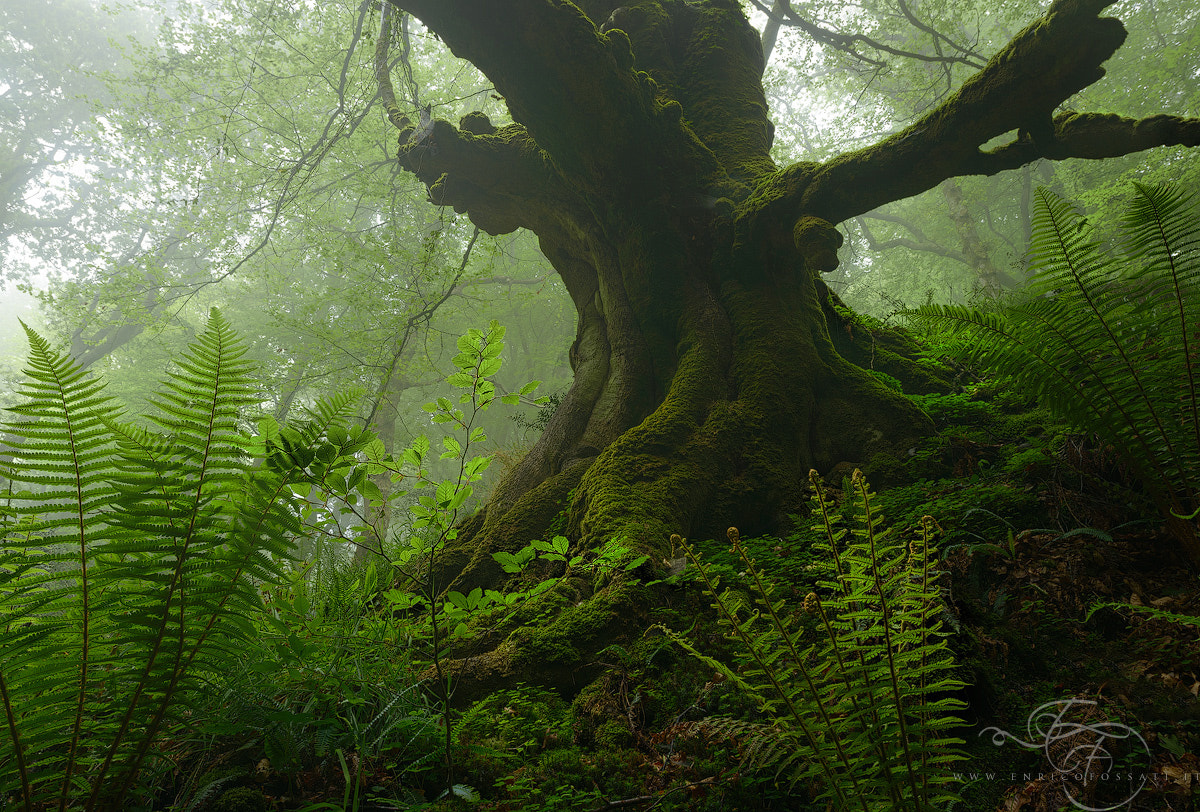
<point x="707" y="379"/>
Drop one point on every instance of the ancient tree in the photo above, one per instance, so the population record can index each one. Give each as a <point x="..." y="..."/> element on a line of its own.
<point x="711" y="368"/>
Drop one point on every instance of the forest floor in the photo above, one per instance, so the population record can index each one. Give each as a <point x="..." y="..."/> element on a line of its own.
<point x="1037" y="527"/>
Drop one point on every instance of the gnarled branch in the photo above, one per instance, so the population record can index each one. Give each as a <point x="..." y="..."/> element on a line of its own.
<point x="498" y="176"/>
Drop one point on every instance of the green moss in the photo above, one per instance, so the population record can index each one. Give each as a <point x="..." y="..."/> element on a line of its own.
<point x="886" y="379"/>
<point x="818" y="242"/>
<point x="613" y="735"/>
<point x="241" y="799"/>
<point x="599" y="618"/>
<point x="885" y="469"/>
<point x="620" y="48"/>
<point x="641" y="481"/>
<point x="721" y="88"/>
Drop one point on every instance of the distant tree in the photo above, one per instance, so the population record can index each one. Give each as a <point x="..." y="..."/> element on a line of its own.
<point x="233" y="155"/>
<point x="51" y="58"/>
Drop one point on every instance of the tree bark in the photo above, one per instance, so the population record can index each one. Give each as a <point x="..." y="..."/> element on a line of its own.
<point x="708" y="380"/>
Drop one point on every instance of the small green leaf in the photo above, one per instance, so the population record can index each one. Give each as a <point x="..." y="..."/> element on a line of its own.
<point x="475" y="468"/>
<point x="637" y="562"/>
<point x="508" y="562"/>
<point x="463" y="494"/>
<point x="370" y="491"/>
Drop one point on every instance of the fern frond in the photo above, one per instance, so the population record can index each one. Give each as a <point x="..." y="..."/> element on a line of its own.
<point x="1107" y="342"/>
<point x="130" y="559"/>
<point x="1162" y="242"/>
<point x="861" y="713"/>
<point x="59" y="449"/>
<point x="180" y="535"/>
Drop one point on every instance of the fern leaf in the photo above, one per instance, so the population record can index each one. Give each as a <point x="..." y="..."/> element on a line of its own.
<point x="59" y="448"/>
<point x="1108" y="342"/>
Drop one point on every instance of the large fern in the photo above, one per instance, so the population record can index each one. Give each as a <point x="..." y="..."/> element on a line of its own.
<point x="51" y="540"/>
<point x="863" y="710"/>
<point x="1106" y="338"/>
<point x="131" y="558"/>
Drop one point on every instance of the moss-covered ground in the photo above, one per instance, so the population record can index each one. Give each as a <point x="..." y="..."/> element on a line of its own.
<point x="1036" y="526"/>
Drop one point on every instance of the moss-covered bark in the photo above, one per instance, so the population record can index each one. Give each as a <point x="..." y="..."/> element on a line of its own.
<point x="707" y="379"/>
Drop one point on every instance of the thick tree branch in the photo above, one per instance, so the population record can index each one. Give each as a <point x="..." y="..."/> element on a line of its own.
<point x="499" y="177"/>
<point x="1019" y="89"/>
<point x="1094" y="136"/>
<point x="572" y="87"/>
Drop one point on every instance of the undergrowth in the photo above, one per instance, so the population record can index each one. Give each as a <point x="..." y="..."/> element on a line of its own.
<point x="862" y="711"/>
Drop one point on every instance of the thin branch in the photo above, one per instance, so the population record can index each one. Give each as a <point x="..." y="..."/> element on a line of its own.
<point x="783" y="14"/>
<point x="939" y="37"/>
<point x="921" y="243"/>
<point x="426" y="313"/>
<point x="309" y="160"/>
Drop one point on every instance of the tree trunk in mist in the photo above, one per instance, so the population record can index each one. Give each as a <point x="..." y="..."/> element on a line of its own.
<point x="713" y="368"/>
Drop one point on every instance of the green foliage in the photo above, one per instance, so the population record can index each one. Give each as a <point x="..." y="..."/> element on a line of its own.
<point x="1153" y="611"/>
<point x="1106" y="339"/>
<point x="130" y="561"/>
<point x="863" y="711"/>
<point x="957" y="408"/>
<point x="449" y="617"/>
<point x="241" y="799"/>
<point x="517" y="720"/>
<point x="144" y="558"/>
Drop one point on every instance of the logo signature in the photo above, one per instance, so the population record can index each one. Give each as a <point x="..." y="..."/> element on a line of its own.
<point x="1077" y="749"/>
